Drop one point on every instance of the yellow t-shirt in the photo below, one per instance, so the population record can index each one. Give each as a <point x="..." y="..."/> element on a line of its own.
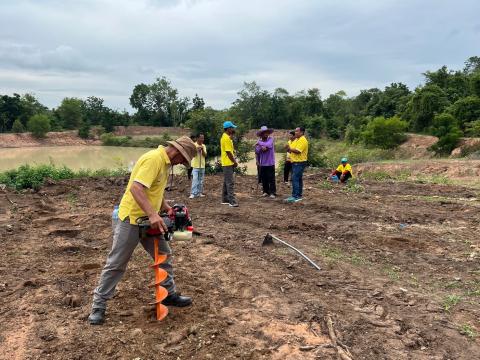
<point x="151" y="170"/>
<point x="289" y="142"/>
<point x="300" y="144"/>
<point x="345" y="168"/>
<point x="226" y="144"/>
<point x="198" y="162"/>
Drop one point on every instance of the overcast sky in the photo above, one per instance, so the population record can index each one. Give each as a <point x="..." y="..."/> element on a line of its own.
<point x="64" y="48"/>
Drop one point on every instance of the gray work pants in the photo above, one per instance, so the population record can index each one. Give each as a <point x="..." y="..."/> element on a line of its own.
<point x="228" y="194"/>
<point x="125" y="240"/>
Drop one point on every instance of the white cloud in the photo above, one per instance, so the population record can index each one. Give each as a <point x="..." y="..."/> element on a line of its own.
<point x="58" y="48"/>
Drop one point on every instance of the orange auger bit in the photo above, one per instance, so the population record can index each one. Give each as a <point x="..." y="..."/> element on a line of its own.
<point x="160" y="275"/>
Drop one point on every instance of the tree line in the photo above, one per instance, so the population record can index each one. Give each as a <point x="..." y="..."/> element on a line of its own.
<point x="446" y="105"/>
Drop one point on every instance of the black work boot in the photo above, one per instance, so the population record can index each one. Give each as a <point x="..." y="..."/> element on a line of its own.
<point x="97" y="316"/>
<point x="177" y="300"/>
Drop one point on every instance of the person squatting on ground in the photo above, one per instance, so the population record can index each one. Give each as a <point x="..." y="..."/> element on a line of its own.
<point x="228" y="164"/>
<point x="343" y="172"/>
<point x="265" y="155"/>
<point x="143" y="196"/>
<point x="198" y="166"/>
<point x="298" y="155"/>
<point x="287" y="167"/>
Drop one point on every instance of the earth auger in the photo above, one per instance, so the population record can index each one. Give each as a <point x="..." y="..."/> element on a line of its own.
<point x="179" y="225"/>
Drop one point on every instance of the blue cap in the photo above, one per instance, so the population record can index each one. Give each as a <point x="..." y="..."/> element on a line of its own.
<point x="228" y="125"/>
<point x="344" y="159"/>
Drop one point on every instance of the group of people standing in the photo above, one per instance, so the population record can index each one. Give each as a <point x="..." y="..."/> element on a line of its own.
<point x="295" y="163"/>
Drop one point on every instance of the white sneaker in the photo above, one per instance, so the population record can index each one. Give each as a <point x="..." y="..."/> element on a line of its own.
<point x="272" y="196"/>
<point x="202" y="195"/>
<point x="225" y="203"/>
<point x="192" y="196"/>
<point x="264" y="195"/>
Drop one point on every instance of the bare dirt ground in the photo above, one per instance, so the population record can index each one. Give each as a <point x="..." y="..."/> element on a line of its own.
<point x="400" y="275"/>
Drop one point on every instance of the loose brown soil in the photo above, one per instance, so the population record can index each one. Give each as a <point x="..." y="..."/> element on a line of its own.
<point x="392" y="257"/>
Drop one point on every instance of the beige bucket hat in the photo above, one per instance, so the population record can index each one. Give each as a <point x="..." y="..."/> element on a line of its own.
<point x="186" y="147"/>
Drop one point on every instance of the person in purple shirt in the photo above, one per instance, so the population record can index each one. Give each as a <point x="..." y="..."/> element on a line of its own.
<point x="265" y="155"/>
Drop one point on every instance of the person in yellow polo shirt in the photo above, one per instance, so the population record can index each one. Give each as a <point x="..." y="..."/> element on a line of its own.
<point x="298" y="156"/>
<point x="343" y="172"/>
<point x="228" y="164"/>
<point x="143" y="197"/>
<point x="198" y="166"/>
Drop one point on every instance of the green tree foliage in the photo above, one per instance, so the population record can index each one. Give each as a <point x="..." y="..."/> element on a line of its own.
<point x="158" y="104"/>
<point x="84" y="130"/>
<point x="18" y="127"/>
<point x="466" y="110"/>
<point x="475" y="83"/>
<point x="197" y="103"/>
<point x="71" y="113"/>
<point x="473" y="128"/>
<point x="39" y="125"/>
<point x="446" y="128"/>
<point x="208" y="122"/>
<point x="315" y="125"/>
<point x="425" y="103"/>
<point x="384" y="133"/>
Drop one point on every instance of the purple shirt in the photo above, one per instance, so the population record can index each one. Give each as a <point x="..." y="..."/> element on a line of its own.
<point x="265" y="158"/>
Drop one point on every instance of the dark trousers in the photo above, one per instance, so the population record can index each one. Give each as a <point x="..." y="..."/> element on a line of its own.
<point x="189" y="173"/>
<point x="287" y="168"/>
<point x="297" y="179"/>
<point x="267" y="174"/>
<point x="259" y="176"/>
<point x="228" y="192"/>
<point x="347" y="176"/>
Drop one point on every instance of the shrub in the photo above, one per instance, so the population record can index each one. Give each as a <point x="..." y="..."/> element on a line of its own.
<point x="316" y="158"/>
<point x="385" y="133"/>
<point x="39" y="125"/>
<point x="473" y="128"/>
<point x="18" y="127"/>
<point x="445" y="127"/>
<point x="84" y="130"/>
<point x="315" y="125"/>
<point x="32" y="177"/>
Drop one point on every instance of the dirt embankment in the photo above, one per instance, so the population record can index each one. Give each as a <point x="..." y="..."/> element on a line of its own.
<point x="150" y="131"/>
<point x="400" y="276"/>
<point x="64" y="138"/>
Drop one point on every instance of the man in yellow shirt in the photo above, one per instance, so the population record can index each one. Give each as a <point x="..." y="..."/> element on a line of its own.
<point x="343" y="172"/>
<point x="298" y="156"/>
<point x="198" y="166"/>
<point x="228" y="164"/>
<point x="288" y="163"/>
<point x="143" y="197"/>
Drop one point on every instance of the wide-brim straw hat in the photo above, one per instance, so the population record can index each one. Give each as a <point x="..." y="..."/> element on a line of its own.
<point x="264" y="129"/>
<point x="185" y="146"/>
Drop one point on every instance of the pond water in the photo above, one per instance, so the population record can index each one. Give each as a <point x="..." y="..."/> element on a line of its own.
<point x="84" y="157"/>
<point x="74" y="157"/>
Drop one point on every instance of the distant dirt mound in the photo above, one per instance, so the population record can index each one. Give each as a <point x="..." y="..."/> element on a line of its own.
<point x="64" y="138"/>
<point x="416" y="147"/>
<point x="466" y="146"/>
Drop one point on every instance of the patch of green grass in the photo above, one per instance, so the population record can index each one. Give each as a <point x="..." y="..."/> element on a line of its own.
<point x="353" y="187"/>
<point x="72" y="199"/>
<point x="108" y="139"/>
<point x="451" y="301"/>
<point x="392" y="272"/>
<point x="33" y="177"/>
<point x="356" y="153"/>
<point x="326" y="185"/>
<point x="334" y="254"/>
<point x="380" y="175"/>
<point x="468" y="331"/>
